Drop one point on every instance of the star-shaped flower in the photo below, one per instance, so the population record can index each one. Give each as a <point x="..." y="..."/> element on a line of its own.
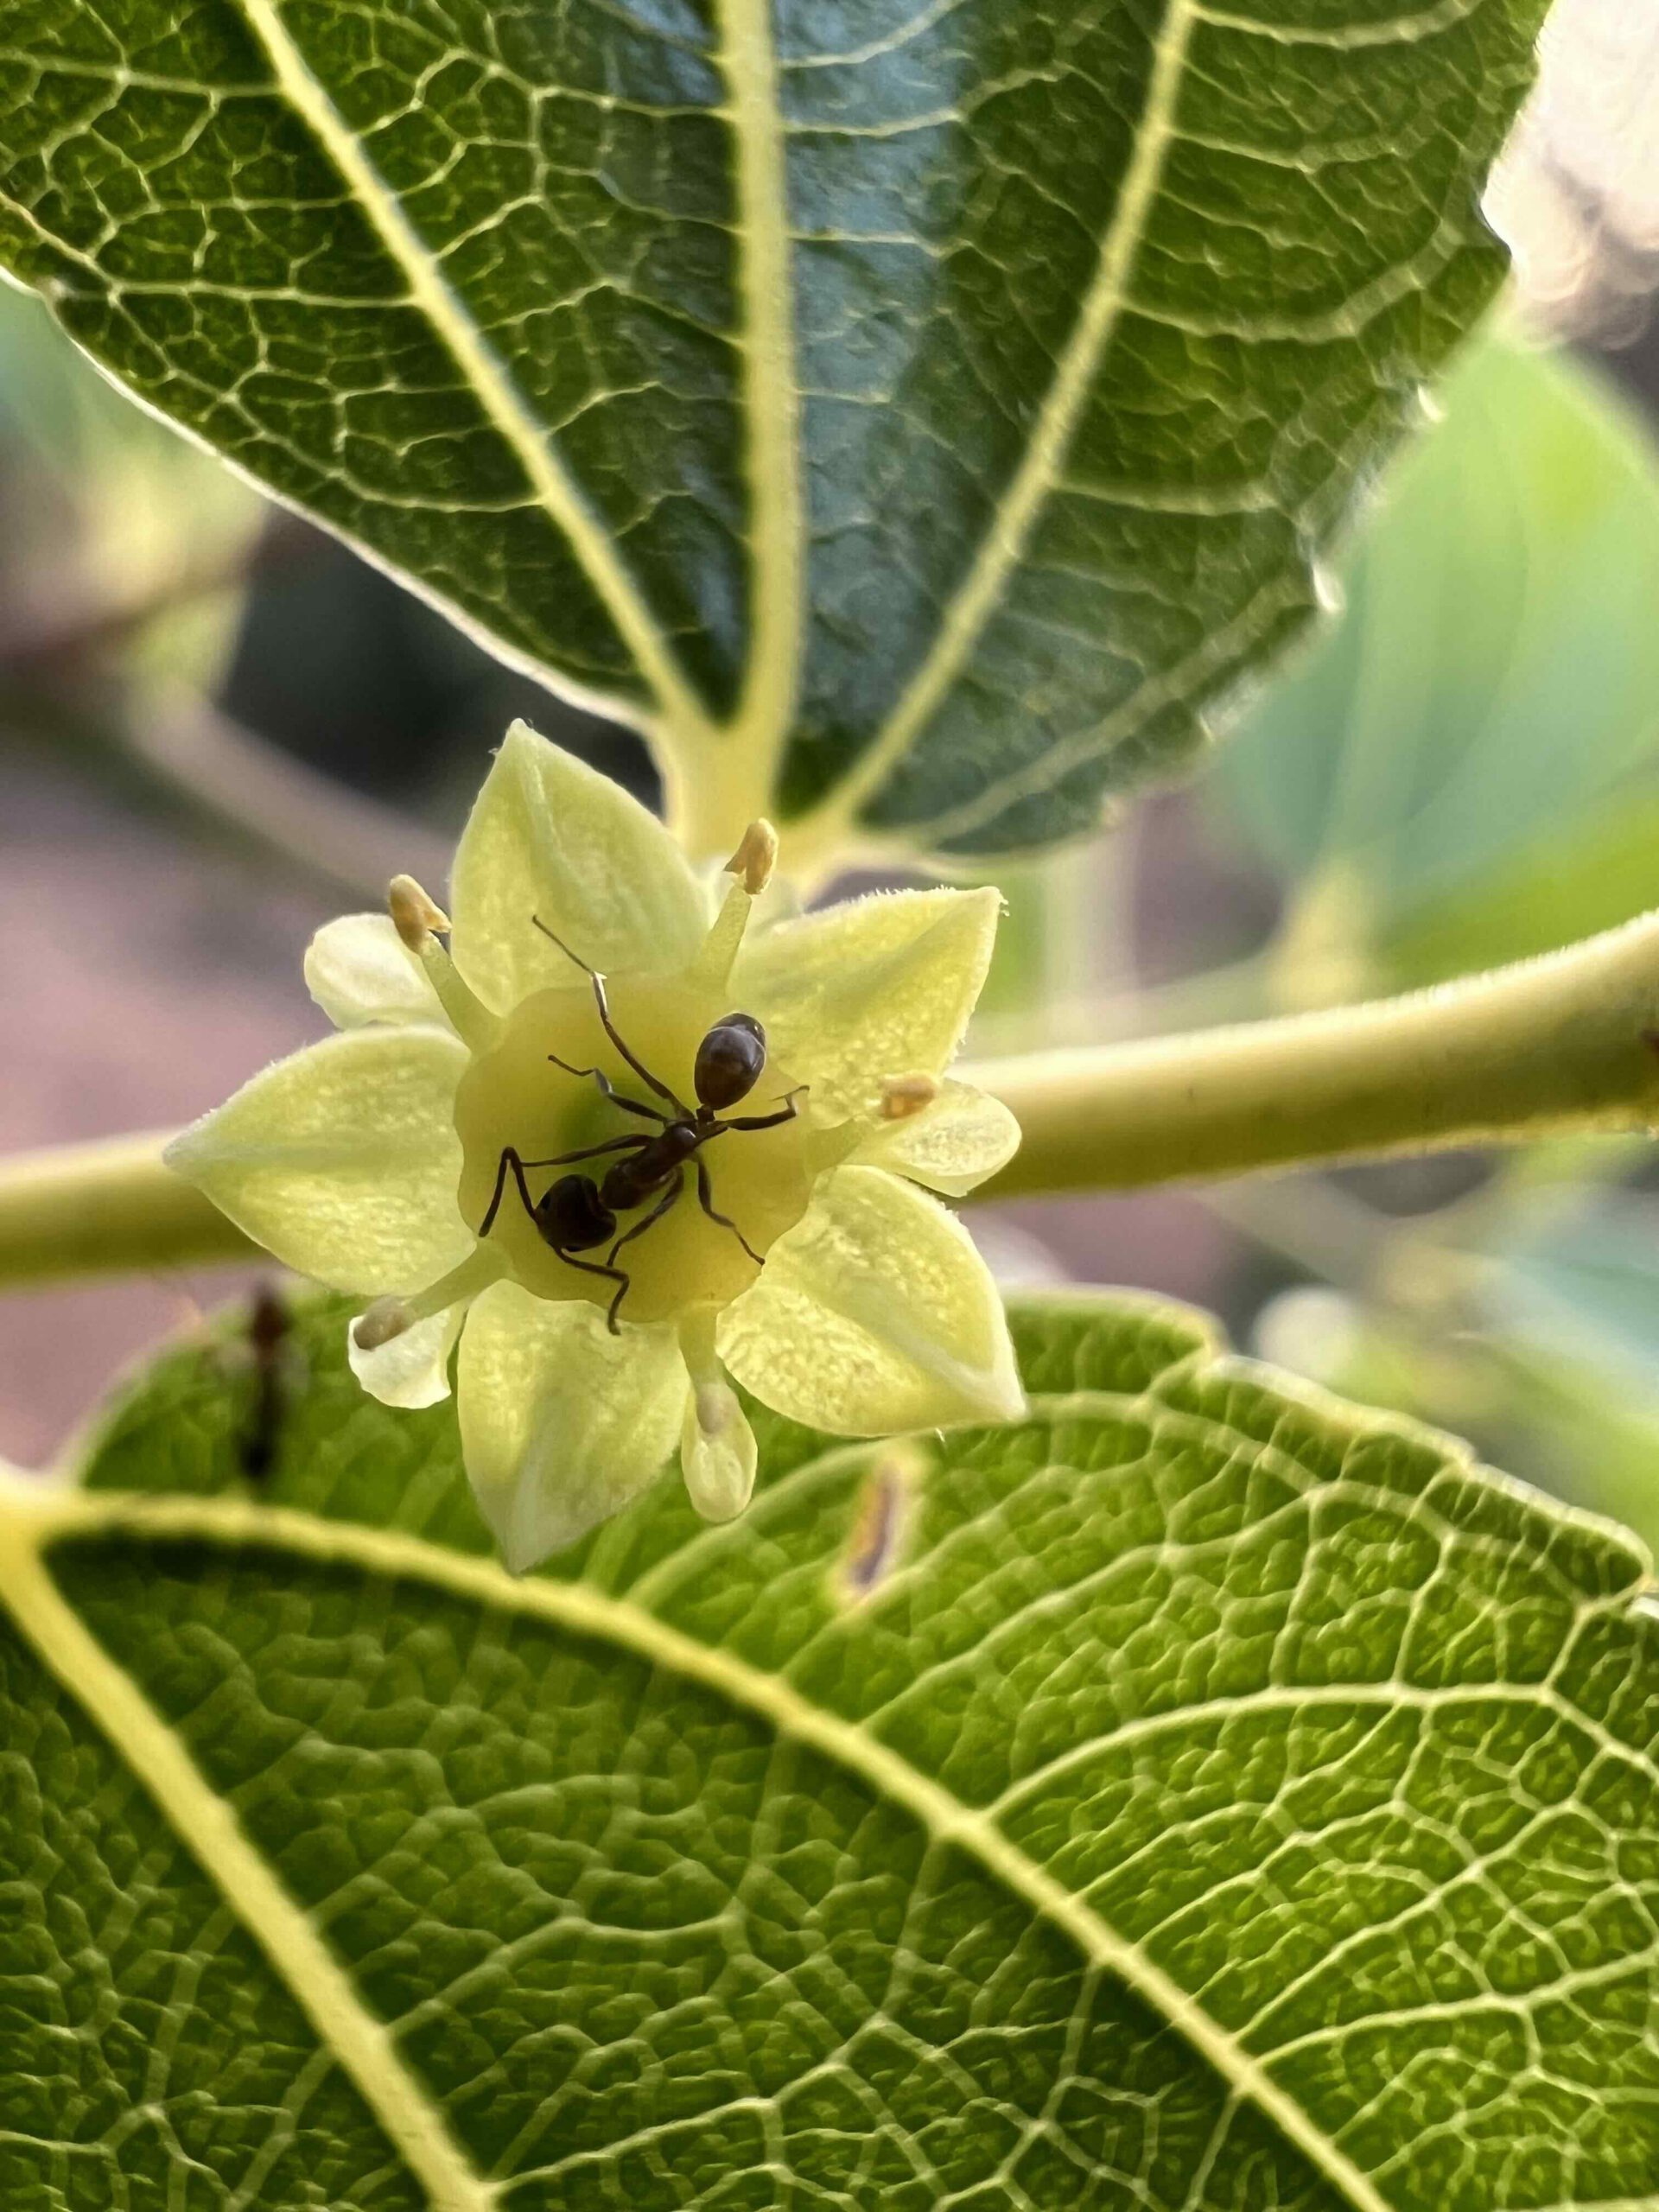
<point x="601" y="1318"/>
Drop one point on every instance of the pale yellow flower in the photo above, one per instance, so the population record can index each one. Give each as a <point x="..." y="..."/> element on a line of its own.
<point x="843" y="1297"/>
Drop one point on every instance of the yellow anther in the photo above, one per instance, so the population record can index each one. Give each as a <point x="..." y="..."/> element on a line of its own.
<point x="755" y="858"/>
<point x="905" y="1094"/>
<point x="415" y="915"/>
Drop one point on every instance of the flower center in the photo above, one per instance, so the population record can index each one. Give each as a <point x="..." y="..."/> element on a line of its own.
<point x="513" y="1096"/>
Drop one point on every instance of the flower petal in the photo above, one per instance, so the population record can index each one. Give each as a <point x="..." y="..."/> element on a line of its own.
<point x="875" y="987"/>
<point x="873" y="1314"/>
<point x="562" y="1422"/>
<point x="411" y="1370"/>
<point x="552" y="837"/>
<point x="358" y="970"/>
<point x="343" y="1161"/>
<point x="952" y="1145"/>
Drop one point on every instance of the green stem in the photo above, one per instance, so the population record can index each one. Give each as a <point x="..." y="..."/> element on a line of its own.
<point x="1551" y="1047"/>
<point x="1561" y="1047"/>
<point x="106" y="1208"/>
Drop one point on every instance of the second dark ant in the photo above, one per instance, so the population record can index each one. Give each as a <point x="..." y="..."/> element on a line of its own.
<point x="268" y="1337"/>
<point x="576" y="1214"/>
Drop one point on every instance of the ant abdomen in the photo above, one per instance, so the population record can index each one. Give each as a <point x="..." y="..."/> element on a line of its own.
<point x="730" y="1060"/>
<point x="573" y="1217"/>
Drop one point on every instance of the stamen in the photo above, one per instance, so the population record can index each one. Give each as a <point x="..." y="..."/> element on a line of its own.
<point x="903" y="1095"/>
<point x="419" y="920"/>
<point x="755" y="858"/>
<point x="415" y="915"/>
<point x="483" y="1265"/>
<point x="751" y="865"/>
<point x="390" y="1317"/>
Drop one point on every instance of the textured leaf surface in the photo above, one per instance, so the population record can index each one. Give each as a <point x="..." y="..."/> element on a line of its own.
<point x="1200" y="1795"/>
<point x="913" y="413"/>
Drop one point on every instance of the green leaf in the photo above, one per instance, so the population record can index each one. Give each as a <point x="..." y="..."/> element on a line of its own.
<point x="911" y="416"/>
<point x="1461" y="772"/>
<point x="1201" y="1795"/>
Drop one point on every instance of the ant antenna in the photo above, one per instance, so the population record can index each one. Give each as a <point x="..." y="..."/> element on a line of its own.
<point x="563" y="947"/>
<point x="609" y="1026"/>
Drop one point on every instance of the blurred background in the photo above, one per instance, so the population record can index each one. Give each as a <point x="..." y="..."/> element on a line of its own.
<point x="218" y="729"/>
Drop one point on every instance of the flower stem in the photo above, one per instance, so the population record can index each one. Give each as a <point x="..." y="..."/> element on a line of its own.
<point x="106" y="1208"/>
<point x="1569" y="1045"/>
<point x="1566" y="1045"/>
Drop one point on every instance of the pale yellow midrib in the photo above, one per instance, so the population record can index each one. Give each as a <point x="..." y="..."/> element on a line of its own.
<point x="616" y="589"/>
<point x="32" y="1517"/>
<point x="361" y="2044"/>
<point x="1006" y="536"/>
<point x="776" y="568"/>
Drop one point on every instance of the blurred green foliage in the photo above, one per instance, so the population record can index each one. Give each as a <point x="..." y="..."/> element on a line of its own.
<point x="107" y="511"/>
<point x="1462" y="769"/>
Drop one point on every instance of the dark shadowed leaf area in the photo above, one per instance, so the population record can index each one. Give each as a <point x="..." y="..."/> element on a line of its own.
<point x="1203" y="1795"/>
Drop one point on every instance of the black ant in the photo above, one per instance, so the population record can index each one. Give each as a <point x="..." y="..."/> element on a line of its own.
<point x="270" y="1328"/>
<point x="576" y="1214"/>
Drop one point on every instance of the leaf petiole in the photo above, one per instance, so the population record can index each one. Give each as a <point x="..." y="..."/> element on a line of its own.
<point x="1563" y="1045"/>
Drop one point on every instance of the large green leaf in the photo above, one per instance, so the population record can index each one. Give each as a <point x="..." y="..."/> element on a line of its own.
<point x="1203" y="1795"/>
<point x="1463" y="771"/>
<point x="913" y="414"/>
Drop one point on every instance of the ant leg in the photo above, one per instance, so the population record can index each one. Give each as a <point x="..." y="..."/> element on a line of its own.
<point x="592" y="1151"/>
<point x="511" y="1159"/>
<point x="609" y="1090"/>
<point x="610" y="1028"/>
<point x="638" y="1229"/>
<point x="611" y="1274"/>
<point x="706" y="1200"/>
<point x="789" y="1113"/>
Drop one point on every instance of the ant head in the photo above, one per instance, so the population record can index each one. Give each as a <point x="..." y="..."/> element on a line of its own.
<point x="729" y="1060"/>
<point x="572" y="1216"/>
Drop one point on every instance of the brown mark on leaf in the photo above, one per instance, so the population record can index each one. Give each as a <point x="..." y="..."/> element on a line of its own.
<point x="880" y="1521"/>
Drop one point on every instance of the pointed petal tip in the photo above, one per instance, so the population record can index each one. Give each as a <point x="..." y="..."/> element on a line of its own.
<point x="561" y="1424"/>
<point x="179" y="1151"/>
<point x="549" y="835"/>
<point x="401" y="1361"/>
<point x="951" y="1143"/>
<point x="874" y="1315"/>
<point x="1005" y="1400"/>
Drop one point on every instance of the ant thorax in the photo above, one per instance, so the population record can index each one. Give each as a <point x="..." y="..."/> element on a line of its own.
<point x="514" y="1095"/>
